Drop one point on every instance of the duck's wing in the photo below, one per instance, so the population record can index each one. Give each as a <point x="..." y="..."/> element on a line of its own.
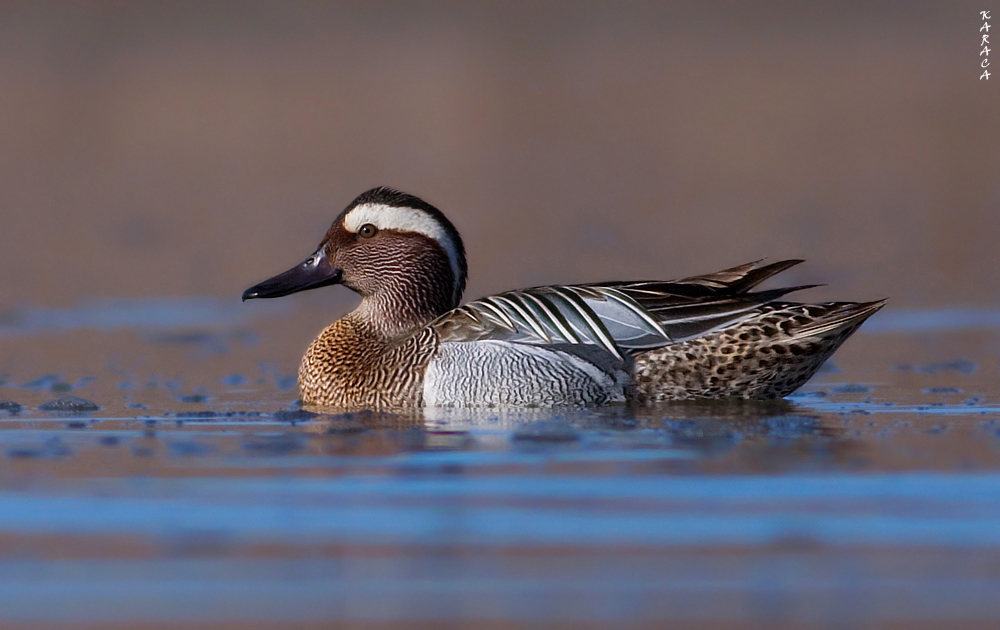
<point x="620" y="317"/>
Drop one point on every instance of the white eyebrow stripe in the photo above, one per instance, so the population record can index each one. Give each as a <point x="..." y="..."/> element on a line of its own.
<point x="405" y="220"/>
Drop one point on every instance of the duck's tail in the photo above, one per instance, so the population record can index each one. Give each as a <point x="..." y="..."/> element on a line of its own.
<point x="768" y="355"/>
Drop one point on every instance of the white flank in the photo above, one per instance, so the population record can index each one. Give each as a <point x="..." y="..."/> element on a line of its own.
<point x="507" y="374"/>
<point x="404" y="220"/>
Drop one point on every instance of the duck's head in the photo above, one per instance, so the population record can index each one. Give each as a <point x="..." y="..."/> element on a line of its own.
<point x="392" y="248"/>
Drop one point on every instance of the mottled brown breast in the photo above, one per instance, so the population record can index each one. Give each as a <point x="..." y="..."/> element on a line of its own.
<point x="349" y="365"/>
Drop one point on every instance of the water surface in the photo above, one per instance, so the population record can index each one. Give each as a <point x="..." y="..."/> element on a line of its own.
<point x="199" y="494"/>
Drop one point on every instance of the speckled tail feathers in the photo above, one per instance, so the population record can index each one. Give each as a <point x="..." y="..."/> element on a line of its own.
<point x="768" y="355"/>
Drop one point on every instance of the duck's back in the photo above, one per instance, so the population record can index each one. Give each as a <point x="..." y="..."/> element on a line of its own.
<point x="706" y="336"/>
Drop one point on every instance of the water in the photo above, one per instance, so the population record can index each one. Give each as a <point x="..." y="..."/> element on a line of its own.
<point x="210" y="498"/>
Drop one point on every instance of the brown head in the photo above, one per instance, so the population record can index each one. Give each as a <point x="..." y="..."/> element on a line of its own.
<point x="397" y="251"/>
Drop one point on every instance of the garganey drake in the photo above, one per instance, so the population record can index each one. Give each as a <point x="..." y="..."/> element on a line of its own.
<point x="409" y="343"/>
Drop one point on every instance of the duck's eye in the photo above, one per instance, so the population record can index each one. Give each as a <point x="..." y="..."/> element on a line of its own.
<point x="368" y="230"/>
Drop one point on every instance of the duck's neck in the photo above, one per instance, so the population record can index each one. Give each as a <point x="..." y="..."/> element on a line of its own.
<point x="403" y="306"/>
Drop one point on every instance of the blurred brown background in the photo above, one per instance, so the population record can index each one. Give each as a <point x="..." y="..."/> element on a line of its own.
<point x="168" y="149"/>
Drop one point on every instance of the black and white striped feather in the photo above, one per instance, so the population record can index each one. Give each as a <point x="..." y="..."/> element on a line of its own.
<point x="619" y="317"/>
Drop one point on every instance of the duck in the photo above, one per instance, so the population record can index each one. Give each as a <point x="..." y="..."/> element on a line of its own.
<point x="411" y="343"/>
